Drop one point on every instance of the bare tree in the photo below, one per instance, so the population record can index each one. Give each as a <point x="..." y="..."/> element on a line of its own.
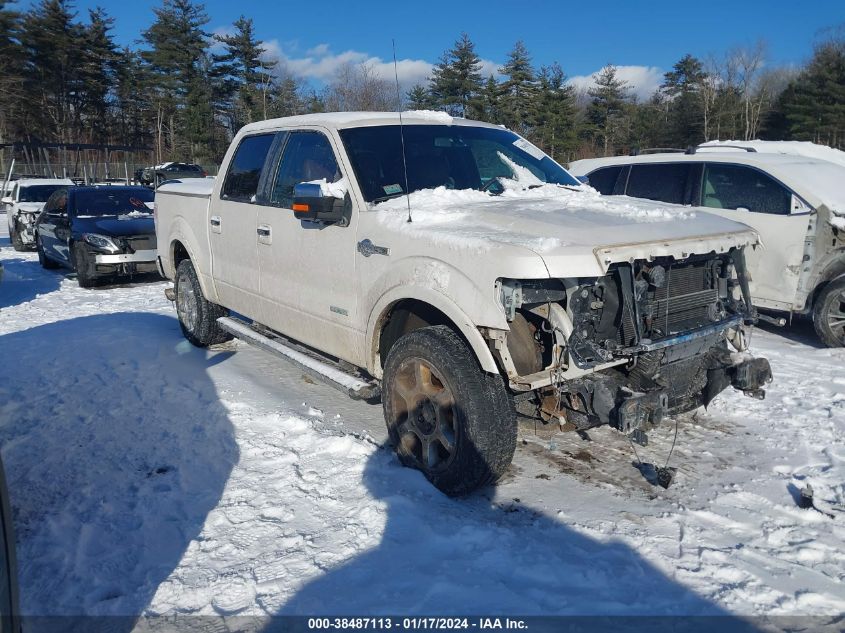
<point x="709" y="91"/>
<point x="748" y="63"/>
<point x="359" y="87"/>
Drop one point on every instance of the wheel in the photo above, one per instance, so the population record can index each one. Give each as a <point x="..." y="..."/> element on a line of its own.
<point x="17" y="242"/>
<point x="444" y="415"/>
<point x="45" y="261"/>
<point x="197" y="316"/>
<point x="83" y="264"/>
<point x="829" y="314"/>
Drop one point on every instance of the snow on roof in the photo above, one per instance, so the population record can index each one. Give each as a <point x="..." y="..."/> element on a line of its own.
<point x="340" y="120"/>
<point x="193" y="186"/>
<point x="31" y="182"/>
<point x="792" y="148"/>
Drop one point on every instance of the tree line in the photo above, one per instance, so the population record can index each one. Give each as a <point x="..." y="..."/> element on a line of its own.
<point x="184" y="92"/>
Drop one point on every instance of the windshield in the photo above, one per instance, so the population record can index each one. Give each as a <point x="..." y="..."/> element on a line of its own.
<point x="113" y="201"/>
<point x="452" y="156"/>
<point x="38" y="193"/>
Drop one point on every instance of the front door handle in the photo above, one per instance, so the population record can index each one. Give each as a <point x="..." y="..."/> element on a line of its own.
<point x="215" y="223"/>
<point x="265" y="233"/>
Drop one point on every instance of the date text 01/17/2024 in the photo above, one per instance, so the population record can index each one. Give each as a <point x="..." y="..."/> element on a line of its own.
<point x="415" y="623"/>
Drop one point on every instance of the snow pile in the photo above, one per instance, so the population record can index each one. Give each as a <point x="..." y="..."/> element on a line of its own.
<point x="331" y="189"/>
<point x="431" y="116"/>
<point x="476" y="220"/>
<point x="793" y="148"/>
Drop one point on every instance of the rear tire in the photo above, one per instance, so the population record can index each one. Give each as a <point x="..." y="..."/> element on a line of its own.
<point x="445" y="416"/>
<point x="197" y="316"/>
<point x="829" y="314"/>
<point x="45" y="261"/>
<point x="83" y="264"/>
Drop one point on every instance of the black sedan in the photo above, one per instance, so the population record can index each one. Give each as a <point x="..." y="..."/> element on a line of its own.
<point x="98" y="231"/>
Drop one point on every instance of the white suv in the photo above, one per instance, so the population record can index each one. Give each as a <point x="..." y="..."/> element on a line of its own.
<point x="795" y="203"/>
<point x="24" y="203"/>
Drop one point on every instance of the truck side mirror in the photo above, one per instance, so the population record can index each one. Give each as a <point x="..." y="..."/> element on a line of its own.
<point x="7" y="200"/>
<point x="309" y="203"/>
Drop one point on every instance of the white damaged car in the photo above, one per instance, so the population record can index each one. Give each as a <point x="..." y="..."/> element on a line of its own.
<point x="791" y="193"/>
<point x="23" y="204"/>
<point x="455" y="271"/>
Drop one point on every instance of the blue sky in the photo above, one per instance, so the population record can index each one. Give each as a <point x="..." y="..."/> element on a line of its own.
<point x="645" y="37"/>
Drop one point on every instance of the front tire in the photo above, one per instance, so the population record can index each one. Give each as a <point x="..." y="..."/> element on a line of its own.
<point x="445" y="416"/>
<point x="829" y="314"/>
<point x="197" y="316"/>
<point x="45" y="261"/>
<point x="17" y="242"/>
<point x="83" y="264"/>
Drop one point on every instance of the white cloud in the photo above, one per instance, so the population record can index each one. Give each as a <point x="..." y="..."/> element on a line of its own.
<point x="320" y="64"/>
<point x="642" y="80"/>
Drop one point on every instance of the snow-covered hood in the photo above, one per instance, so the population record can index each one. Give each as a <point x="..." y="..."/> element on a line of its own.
<point x="561" y="224"/>
<point x="30" y="207"/>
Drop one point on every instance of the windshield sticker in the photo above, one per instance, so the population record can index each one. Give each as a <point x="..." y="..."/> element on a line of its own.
<point x="392" y="189"/>
<point x="528" y="148"/>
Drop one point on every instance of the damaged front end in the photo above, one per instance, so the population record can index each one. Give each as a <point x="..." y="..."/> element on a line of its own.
<point x="25" y="226"/>
<point x="646" y="340"/>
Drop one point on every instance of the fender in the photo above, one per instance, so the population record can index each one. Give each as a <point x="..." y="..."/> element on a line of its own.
<point x="437" y="300"/>
<point x="831" y="267"/>
<point x="181" y="232"/>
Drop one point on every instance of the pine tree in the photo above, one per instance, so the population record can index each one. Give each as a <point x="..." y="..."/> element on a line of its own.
<point x="176" y="69"/>
<point x="11" y="72"/>
<point x="98" y="69"/>
<point x="490" y="102"/>
<point x="519" y="89"/>
<point x="682" y="85"/>
<point x="286" y="98"/>
<point x="245" y="78"/>
<point x="456" y="78"/>
<point x="53" y="45"/>
<point x="418" y="98"/>
<point x="608" y="111"/>
<point x="554" y="115"/>
<point x="814" y="103"/>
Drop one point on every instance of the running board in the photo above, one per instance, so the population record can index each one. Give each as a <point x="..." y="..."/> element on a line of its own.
<point x="353" y="386"/>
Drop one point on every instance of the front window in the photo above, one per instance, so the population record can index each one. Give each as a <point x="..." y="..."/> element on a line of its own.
<point x="38" y="193"/>
<point x="112" y="201"/>
<point x="308" y="156"/>
<point x="739" y="187"/>
<point x="451" y="156"/>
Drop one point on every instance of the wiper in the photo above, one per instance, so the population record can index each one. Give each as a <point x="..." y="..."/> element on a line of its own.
<point x="383" y="198"/>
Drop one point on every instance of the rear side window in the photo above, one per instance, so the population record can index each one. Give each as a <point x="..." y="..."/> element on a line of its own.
<point x="246" y="167"/>
<point x="736" y="186"/>
<point x="604" y="179"/>
<point x="665" y="183"/>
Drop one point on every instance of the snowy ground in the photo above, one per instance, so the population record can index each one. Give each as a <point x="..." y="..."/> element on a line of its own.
<point x="150" y="477"/>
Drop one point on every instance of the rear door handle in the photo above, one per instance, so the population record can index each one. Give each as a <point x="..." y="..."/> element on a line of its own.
<point x="215" y="223"/>
<point x="265" y="233"/>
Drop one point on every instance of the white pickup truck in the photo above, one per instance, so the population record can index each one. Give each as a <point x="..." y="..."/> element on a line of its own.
<point x="499" y="285"/>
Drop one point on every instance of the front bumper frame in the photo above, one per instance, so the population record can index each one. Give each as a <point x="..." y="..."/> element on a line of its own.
<point x="138" y="257"/>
